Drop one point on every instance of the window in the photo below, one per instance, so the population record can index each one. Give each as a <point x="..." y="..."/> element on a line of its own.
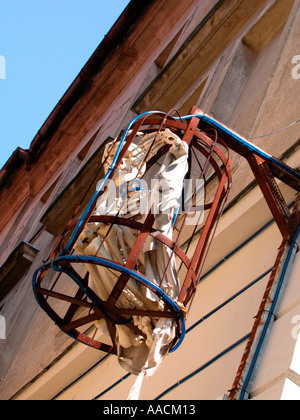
<point x="234" y="81"/>
<point x="16" y="266"/>
<point x="78" y="192"/>
<point x="197" y="56"/>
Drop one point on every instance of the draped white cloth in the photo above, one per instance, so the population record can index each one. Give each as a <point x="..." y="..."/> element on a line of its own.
<point x="160" y="190"/>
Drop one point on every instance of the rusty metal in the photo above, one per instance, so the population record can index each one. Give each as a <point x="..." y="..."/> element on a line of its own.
<point x="261" y="327"/>
<point x="272" y="194"/>
<point x="210" y="140"/>
<point x="202" y="143"/>
<point x="260" y="319"/>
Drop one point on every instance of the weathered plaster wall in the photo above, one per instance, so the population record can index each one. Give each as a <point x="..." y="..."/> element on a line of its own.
<point x="267" y="100"/>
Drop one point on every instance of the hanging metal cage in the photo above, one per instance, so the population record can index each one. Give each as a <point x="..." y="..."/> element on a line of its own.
<point x="131" y="264"/>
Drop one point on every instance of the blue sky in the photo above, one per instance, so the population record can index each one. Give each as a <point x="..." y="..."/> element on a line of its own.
<point x="44" y="44"/>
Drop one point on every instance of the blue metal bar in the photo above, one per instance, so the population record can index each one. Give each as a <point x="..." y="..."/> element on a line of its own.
<point x="203" y="367"/>
<point x="112" y="386"/>
<point x="93" y="200"/>
<point x="190" y="329"/>
<point x="270" y="316"/>
<point x="205" y="317"/>
<point x="81" y="376"/>
<point x="187" y="331"/>
<point x="203" y="117"/>
<point x="239" y="140"/>
<point x="242" y="141"/>
<point x="110" y="264"/>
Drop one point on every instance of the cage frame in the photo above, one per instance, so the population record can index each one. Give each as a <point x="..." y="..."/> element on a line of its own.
<point x="194" y="126"/>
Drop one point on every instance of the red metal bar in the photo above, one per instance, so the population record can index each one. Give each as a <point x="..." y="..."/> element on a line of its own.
<point x="132" y="259"/>
<point x="272" y="194"/>
<point x="215" y="158"/>
<point x="202" y="244"/>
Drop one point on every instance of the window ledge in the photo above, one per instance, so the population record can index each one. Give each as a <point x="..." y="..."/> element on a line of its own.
<point x="16" y="266"/>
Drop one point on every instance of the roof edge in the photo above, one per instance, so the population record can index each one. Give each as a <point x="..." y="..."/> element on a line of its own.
<point x="110" y="41"/>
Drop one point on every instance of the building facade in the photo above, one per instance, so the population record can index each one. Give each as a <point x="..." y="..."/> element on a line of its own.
<point x="236" y="60"/>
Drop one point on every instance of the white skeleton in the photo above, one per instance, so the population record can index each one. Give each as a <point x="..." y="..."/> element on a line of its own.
<point x="135" y="353"/>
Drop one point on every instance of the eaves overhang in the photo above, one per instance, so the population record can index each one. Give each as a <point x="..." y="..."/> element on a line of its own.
<point x="114" y="37"/>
